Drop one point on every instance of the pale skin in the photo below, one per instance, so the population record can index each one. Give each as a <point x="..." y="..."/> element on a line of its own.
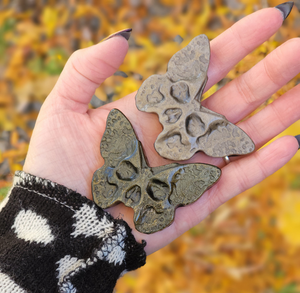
<point x="65" y="143"/>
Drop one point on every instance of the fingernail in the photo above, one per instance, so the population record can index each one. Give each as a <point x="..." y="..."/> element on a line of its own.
<point x="123" y="33"/>
<point x="298" y="139"/>
<point x="285" y="8"/>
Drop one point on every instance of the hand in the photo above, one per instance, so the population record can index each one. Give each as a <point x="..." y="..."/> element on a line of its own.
<point x="65" y="143"/>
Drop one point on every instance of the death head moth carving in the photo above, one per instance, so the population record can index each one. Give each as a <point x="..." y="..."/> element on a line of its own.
<point x="153" y="193"/>
<point x="188" y="127"/>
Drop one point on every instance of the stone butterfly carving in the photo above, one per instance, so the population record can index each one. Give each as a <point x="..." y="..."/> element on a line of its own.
<point x="188" y="127"/>
<point x="153" y="193"/>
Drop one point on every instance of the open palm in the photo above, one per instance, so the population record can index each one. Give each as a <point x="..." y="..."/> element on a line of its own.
<point x="65" y="144"/>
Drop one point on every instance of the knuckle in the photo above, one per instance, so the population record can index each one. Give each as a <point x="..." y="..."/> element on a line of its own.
<point x="216" y="198"/>
<point x="243" y="181"/>
<point x="245" y="91"/>
<point x="279" y="64"/>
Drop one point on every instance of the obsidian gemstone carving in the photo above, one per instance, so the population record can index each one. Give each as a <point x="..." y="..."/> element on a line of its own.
<point x="153" y="193"/>
<point x="188" y="127"/>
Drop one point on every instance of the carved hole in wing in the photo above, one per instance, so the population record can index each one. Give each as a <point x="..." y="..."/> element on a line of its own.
<point x="194" y="125"/>
<point x="180" y="92"/>
<point x="134" y="194"/>
<point x="173" y="140"/>
<point x="154" y="97"/>
<point x="158" y="190"/>
<point x="126" y="171"/>
<point x="173" y="114"/>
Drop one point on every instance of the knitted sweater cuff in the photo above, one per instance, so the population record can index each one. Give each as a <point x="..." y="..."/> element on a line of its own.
<point x="55" y="240"/>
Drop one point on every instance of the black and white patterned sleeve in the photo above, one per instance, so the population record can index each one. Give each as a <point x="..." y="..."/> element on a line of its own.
<point x="52" y="239"/>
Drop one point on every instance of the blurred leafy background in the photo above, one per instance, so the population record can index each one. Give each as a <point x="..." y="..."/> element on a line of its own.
<point x="251" y="243"/>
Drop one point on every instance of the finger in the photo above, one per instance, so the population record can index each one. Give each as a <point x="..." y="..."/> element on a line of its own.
<point x="244" y="94"/>
<point x="238" y="41"/>
<point x="85" y="70"/>
<point x="237" y="177"/>
<point x="273" y="119"/>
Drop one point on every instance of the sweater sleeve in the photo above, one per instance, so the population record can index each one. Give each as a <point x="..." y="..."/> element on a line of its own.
<point x="55" y="240"/>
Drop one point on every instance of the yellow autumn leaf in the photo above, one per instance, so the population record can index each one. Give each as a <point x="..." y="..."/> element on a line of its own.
<point x="5" y="14"/>
<point x="202" y="19"/>
<point x="243" y="202"/>
<point x="5" y="123"/>
<point x="16" y="167"/>
<point x="288" y="218"/>
<point x="101" y="94"/>
<point x="49" y="19"/>
<point x="82" y="10"/>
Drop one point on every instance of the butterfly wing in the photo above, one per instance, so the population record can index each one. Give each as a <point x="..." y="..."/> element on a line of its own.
<point x="172" y="186"/>
<point x="149" y="97"/>
<point x="190" y="64"/>
<point x="119" y="148"/>
<point x="191" y="181"/>
<point x="119" y="140"/>
<point x="226" y="139"/>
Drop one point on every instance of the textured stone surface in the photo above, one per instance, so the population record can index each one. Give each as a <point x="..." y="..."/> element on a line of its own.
<point x="153" y="193"/>
<point x="188" y="127"/>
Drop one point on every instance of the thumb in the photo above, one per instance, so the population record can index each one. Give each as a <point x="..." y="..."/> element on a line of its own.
<point x="86" y="69"/>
